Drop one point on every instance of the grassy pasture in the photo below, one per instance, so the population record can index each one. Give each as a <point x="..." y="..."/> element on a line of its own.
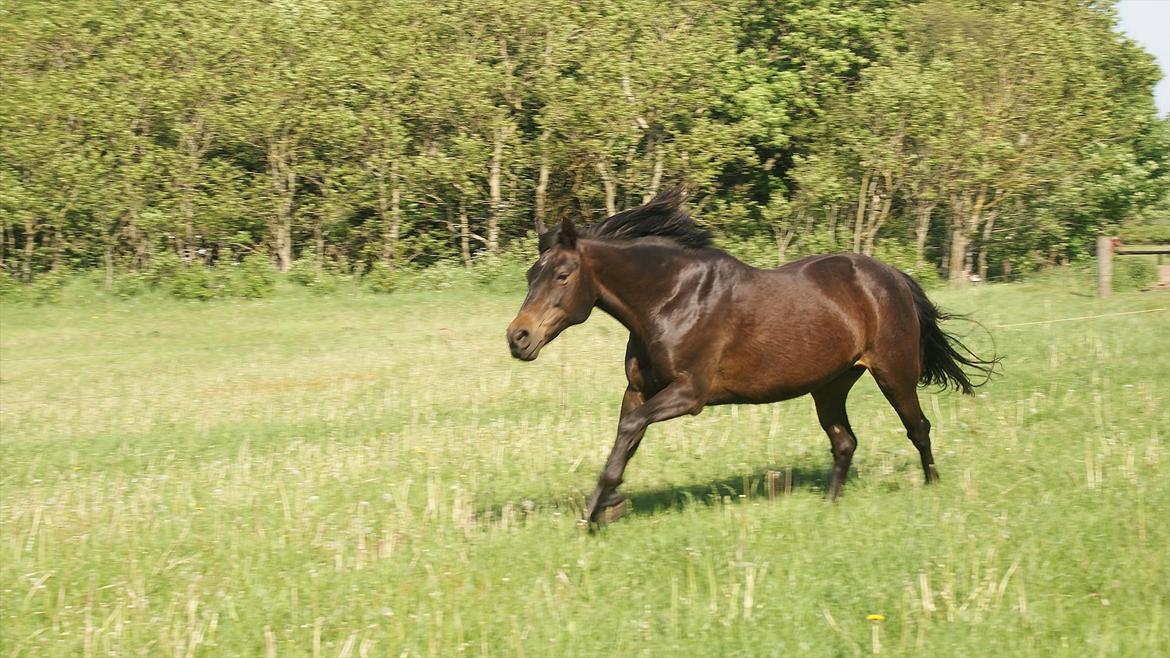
<point x="358" y="475"/>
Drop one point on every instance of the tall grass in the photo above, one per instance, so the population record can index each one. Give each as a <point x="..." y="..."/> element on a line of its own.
<point x="370" y="475"/>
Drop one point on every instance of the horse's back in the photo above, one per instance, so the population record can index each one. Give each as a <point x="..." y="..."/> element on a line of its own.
<point x="804" y="323"/>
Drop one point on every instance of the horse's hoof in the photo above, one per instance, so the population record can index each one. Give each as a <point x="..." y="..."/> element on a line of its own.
<point x="614" y="512"/>
<point x="931" y="475"/>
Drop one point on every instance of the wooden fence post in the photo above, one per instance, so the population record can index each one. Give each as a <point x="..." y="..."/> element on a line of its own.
<point x="1104" y="266"/>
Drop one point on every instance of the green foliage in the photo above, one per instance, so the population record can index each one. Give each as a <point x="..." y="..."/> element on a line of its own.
<point x="903" y="257"/>
<point x="992" y="132"/>
<point x="195" y="282"/>
<point x="1148" y="234"/>
<point x="306" y="271"/>
<point x="442" y="275"/>
<point x="257" y="277"/>
<point x="164" y="268"/>
<point x="11" y="290"/>
<point x="505" y="273"/>
<point x="819" y="241"/>
<point x="488" y="269"/>
<point x="315" y="276"/>
<point x="1133" y="272"/>
<point x="759" y="251"/>
<point x="380" y="278"/>
<point x="47" y="288"/>
<point x="127" y="285"/>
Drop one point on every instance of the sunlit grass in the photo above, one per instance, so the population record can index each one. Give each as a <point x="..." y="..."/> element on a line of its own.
<point x="368" y="476"/>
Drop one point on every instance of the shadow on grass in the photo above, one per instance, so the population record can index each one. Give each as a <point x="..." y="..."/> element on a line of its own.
<point x="763" y="483"/>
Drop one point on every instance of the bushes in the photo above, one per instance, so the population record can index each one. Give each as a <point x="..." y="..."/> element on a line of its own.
<point x="163" y="269"/>
<point x="305" y="270"/>
<point x="380" y="278"/>
<point x="1133" y="272"/>
<point x="194" y="282"/>
<point x="11" y="289"/>
<point x="46" y="288"/>
<point x="316" y="276"/>
<point x="254" y="277"/>
<point x="501" y="273"/>
<point x="903" y="257"/>
<point x="438" y="276"/>
<point x="757" y="251"/>
<point x="131" y="284"/>
<point x="257" y="277"/>
<point x="1145" y="234"/>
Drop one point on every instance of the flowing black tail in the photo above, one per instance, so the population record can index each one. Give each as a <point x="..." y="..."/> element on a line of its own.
<point x="943" y="355"/>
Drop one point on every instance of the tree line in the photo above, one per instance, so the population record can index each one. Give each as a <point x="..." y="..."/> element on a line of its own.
<point x="962" y="136"/>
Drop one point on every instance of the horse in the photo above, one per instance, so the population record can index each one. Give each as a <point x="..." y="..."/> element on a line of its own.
<point x="707" y="329"/>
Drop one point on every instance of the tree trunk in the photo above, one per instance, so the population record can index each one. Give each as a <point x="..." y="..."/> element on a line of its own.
<point x="389" y="213"/>
<point x="922" y="213"/>
<point x="30" y="245"/>
<point x="966" y="219"/>
<point x="784" y="237"/>
<point x="656" y="176"/>
<point x="610" y="188"/>
<point x="542" y="181"/>
<point x="141" y="245"/>
<point x="985" y="243"/>
<point x="395" y="228"/>
<point x="958" y="252"/>
<point x="502" y="134"/>
<point x="319" y="244"/>
<point x="283" y="178"/>
<point x="878" y="212"/>
<point x="859" y="217"/>
<point x="108" y="260"/>
<point x="58" y="246"/>
<point x="464" y="232"/>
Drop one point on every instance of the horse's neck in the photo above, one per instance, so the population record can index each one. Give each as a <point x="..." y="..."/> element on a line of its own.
<point x="629" y="288"/>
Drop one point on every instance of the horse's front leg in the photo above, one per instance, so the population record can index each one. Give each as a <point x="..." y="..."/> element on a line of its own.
<point x="604" y="498"/>
<point x="675" y="400"/>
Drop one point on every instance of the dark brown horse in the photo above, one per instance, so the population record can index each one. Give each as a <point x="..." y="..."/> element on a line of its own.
<point x="708" y="329"/>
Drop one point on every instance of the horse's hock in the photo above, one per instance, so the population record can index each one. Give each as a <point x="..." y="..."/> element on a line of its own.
<point x="1108" y="246"/>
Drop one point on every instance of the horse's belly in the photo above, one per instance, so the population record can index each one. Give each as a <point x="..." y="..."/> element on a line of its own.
<point x="738" y="393"/>
<point x="776" y="376"/>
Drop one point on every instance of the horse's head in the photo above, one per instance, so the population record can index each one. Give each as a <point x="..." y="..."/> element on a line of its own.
<point x="561" y="293"/>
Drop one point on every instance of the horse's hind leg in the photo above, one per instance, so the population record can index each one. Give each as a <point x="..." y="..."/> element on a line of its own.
<point x="900" y="387"/>
<point x="830" y="401"/>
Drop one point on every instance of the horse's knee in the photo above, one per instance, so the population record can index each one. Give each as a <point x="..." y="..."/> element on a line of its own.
<point x="631" y="425"/>
<point x="611" y="477"/>
<point x="919" y="434"/>
<point x="843" y="442"/>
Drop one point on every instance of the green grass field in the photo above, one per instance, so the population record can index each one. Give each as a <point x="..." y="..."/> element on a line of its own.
<point x="360" y="475"/>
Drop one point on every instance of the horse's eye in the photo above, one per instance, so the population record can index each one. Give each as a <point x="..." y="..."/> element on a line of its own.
<point x="563" y="277"/>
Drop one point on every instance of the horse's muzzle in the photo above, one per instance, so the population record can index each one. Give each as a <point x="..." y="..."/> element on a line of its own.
<point x="522" y="344"/>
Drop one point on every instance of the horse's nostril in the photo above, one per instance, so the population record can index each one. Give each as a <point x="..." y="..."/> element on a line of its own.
<point x="521" y="336"/>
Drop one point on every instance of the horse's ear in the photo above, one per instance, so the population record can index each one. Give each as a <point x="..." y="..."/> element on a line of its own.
<point x="545" y="241"/>
<point x="567" y="234"/>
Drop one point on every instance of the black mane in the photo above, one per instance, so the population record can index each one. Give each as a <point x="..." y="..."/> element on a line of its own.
<point x="663" y="217"/>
